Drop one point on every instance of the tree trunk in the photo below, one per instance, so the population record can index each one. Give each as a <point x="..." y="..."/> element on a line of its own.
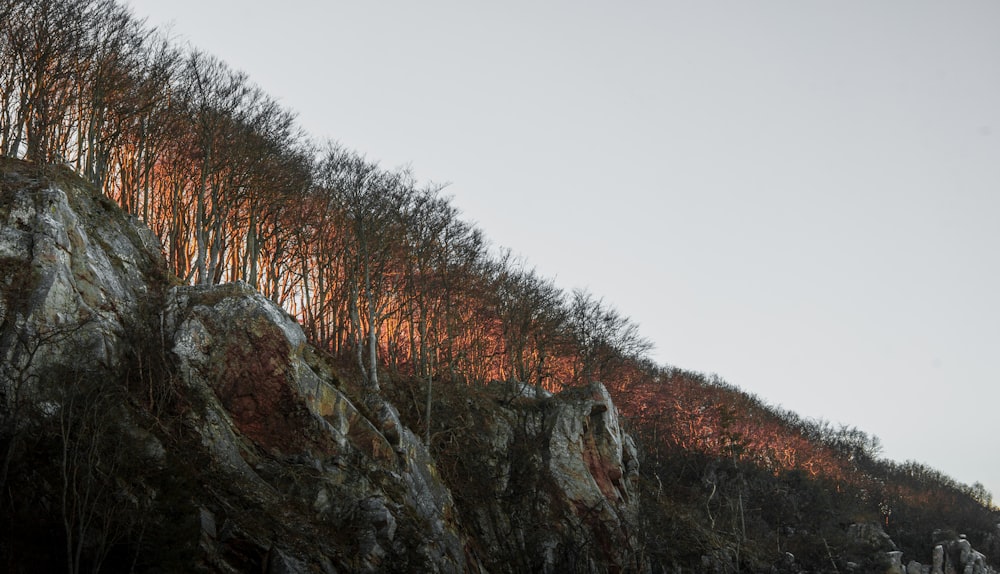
<point x="200" y="223"/>
<point x="372" y="330"/>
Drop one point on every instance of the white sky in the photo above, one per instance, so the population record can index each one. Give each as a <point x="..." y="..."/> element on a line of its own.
<point x="802" y="197"/>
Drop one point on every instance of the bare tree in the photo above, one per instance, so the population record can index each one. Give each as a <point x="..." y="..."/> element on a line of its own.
<point x="370" y="201"/>
<point x="44" y="41"/>
<point x="602" y="337"/>
<point x="121" y="80"/>
<point x="216" y="96"/>
<point x="427" y="219"/>
<point x="531" y="316"/>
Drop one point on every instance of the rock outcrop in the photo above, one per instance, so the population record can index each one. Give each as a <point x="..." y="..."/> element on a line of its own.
<point x="241" y="447"/>
<point x="270" y="402"/>
<point x="950" y="557"/>
<point x="960" y="557"/>
<point x="547" y="483"/>
<point x="73" y="268"/>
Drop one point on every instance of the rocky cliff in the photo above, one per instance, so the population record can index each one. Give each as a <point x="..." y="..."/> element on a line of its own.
<point x="160" y="428"/>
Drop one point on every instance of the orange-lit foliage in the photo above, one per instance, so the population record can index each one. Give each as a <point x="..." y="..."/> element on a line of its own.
<point x="685" y="411"/>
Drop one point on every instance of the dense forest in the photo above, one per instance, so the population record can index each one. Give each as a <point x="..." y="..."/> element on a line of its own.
<point x="383" y="272"/>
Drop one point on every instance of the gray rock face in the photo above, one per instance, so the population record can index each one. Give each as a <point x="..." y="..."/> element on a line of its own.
<point x="75" y="273"/>
<point x="265" y="390"/>
<point x="590" y="455"/>
<point x="560" y="493"/>
<point x="593" y="464"/>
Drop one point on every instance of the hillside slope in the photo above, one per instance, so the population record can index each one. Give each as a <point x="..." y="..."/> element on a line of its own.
<point x="156" y="427"/>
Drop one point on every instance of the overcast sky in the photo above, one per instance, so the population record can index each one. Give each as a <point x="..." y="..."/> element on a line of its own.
<point x="802" y="197"/>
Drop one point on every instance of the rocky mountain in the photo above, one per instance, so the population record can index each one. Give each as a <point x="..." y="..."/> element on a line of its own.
<point x="157" y="427"/>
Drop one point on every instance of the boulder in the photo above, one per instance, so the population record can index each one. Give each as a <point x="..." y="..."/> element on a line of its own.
<point x="895" y="562"/>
